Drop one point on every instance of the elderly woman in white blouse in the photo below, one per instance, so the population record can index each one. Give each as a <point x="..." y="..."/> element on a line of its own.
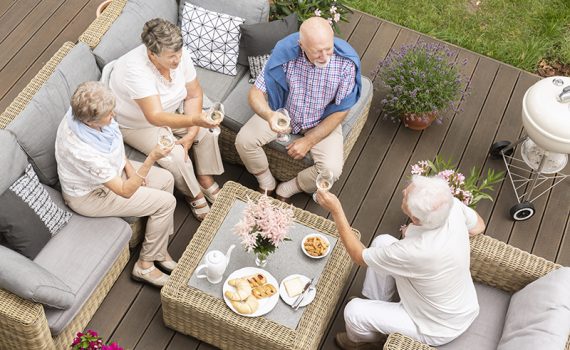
<point x="153" y="81"/>
<point x="98" y="180"/>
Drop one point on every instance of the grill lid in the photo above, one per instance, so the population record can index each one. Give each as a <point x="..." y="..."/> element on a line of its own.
<point x="546" y="114"/>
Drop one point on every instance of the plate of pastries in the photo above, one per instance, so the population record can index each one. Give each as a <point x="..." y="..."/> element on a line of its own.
<point x="315" y="246"/>
<point x="251" y="291"/>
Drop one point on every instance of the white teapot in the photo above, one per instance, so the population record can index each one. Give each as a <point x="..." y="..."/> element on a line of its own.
<point x="215" y="264"/>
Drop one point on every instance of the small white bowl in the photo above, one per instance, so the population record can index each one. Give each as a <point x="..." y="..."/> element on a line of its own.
<point x="323" y="238"/>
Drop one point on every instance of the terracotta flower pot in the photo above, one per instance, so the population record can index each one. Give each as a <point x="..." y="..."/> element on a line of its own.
<point x="102" y="7"/>
<point x="419" y="121"/>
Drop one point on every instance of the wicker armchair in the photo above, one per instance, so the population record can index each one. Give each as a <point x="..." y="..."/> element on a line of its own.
<point x="496" y="264"/>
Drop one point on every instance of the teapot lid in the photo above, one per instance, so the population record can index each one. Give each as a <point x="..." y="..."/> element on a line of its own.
<point x="215" y="257"/>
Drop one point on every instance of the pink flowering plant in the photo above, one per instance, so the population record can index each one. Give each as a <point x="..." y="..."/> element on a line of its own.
<point x="90" y="340"/>
<point x="332" y="11"/>
<point x="468" y="189"/>
<point x="264" y="226"/>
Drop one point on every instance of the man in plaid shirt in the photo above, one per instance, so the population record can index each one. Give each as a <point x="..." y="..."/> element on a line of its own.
<point x="316" y="78"/>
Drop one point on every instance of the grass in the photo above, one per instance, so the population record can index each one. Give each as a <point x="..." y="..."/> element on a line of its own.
<point x="517" y="32"/>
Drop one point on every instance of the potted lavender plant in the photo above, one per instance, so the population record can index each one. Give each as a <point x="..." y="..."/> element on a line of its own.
<point x="423" y="81"/>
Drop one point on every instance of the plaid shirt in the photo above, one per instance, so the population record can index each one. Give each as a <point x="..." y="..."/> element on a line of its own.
<point x="312" y="89"/>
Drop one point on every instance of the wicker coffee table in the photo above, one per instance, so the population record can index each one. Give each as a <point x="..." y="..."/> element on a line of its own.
<point x="193" y="312"/>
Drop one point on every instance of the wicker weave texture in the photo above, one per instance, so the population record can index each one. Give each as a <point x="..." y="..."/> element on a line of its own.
<point x="192" y="312"/>
<point x="282" y="166"/>
<point x="23" y="324"/>
<point x="138" y="227"/>
<point x="21" y="101"/>
<point x="93" y="34"/>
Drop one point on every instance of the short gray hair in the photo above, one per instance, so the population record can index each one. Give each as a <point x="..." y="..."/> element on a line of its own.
<point x="430" y="201"/>
<point x="92" y="101"/>
<point x="159" y="34"/>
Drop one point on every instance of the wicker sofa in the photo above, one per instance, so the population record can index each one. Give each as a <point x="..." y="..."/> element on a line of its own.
<point x="494" y="264"/>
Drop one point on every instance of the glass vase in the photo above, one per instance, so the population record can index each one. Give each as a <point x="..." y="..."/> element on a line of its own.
<point x="261" y="259"/>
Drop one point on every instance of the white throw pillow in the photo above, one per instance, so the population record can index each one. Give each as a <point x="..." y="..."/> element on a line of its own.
<point x="212" y="38"/>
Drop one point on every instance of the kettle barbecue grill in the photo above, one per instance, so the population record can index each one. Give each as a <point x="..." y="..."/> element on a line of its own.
<point x="544" y="146"/>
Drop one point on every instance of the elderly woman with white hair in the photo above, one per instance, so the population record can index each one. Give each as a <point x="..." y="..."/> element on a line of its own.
<point x="152" y="82"/>
<point x="98" y="180"/>
<point x="429" y="267"/>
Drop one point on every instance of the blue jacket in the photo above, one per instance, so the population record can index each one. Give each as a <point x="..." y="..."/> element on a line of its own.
<point x="288" y="49"/>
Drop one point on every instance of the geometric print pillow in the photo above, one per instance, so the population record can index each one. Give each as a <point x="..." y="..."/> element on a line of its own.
<point x="256" y="64"/>
<point x="212" y="38"/>
<point x="29" y="217"/>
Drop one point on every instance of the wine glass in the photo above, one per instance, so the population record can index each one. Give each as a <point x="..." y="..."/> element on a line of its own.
<point x="216" y="115"/>
<point x="165" y="139"/>
<point x="283" y="123"/>
<point x="324" y="182"/>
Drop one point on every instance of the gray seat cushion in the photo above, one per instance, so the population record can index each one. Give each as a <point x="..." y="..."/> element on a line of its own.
<point x="80" y="255"/>
<point x="36" y="127"/>
<point x="218" y="86"/>
<point x="238" y="111"/>
<point x="539" y="314"/>
<point x="12" y="158"/>
<point x="485" y="332"/>
<point x="125" y="33"/>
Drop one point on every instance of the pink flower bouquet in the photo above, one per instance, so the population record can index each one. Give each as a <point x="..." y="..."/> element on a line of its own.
<point x="463" y="188"/>
<point x="90" y="340"/>
<point x="264" y="227"/>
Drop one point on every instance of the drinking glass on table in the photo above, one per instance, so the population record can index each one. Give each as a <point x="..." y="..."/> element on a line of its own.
<point x="216" y="115"/>
<point x="324" y="182"/>
<point x="284" y="125"/>
<point x="166" y="139"/>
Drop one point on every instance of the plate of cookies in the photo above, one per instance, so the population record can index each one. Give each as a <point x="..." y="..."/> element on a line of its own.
<point x="315" y="246"/>
<point x="251" y="292"/>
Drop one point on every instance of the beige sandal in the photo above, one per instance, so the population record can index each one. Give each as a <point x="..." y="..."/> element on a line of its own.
<point x="199" y="207"/>
<point x="143" y="275"/>
<point x="211" y="193"/>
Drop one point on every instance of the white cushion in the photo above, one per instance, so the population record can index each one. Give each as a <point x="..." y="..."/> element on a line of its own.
<point x="212" y="38"/>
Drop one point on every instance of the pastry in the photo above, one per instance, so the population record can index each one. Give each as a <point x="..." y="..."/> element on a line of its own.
<point x="294" y="286"/>
<point x="256" y="280"/>
<point x="243" y="289"/>
<point x="247" y="306"/>
<point x="315" y="246"/>
<point x="264" y="291"/>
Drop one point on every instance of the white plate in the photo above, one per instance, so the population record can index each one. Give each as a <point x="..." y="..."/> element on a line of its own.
<point x="321" y="237"/>
<point x="290" y="300"/>
<point x="265" y="304"/>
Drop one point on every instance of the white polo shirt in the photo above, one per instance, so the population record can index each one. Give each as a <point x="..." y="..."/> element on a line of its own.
<point x="134" y="76"/>
<point x="431" y="269"/>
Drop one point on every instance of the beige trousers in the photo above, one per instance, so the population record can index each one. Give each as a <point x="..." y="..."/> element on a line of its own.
<point x="154" y="200"/>
<point x="327" y="154"/>
<point x="205" y="151"/>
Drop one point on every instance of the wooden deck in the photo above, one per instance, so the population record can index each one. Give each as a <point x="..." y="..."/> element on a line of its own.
<point x="374" y="175"/>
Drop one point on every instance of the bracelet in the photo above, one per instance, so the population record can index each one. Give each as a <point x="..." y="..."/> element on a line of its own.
<point x="139" y="175"/>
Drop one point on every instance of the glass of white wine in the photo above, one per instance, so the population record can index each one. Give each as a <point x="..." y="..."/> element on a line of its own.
<point x="216" y="115"/>
<point x="284" y="124"/>
<point x="166" y="139"/>
<point x="324" y="182"/>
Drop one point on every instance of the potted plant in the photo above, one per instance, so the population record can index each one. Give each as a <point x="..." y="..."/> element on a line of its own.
<point x="333" y="11"/>
<point x="470" y="190"/>
<point x="90" y="340"/>
<point x="423" y="81"/>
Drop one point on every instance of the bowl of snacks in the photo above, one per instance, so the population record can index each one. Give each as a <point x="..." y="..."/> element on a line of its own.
<point x="315" y="246"/>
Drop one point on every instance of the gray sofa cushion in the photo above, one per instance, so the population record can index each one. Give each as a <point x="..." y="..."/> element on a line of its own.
<point x="125" y="33"/>
<point x="81" y="254"/>
<point x="253" y="11"/>
<point x="36" y="127"/>
<point x="12" y="158"/>
<point x="218" y="86"/>
<point x="39" y="285"/>
<point x="485" y="332"/>
<point x="238" y="111"/>
<point x="539" y="314"/>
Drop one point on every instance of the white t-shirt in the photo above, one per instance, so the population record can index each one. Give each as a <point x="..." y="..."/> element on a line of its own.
<point x="82" y="168"/>
<point x="134" y="76"/>
<point x="431" y="269"/>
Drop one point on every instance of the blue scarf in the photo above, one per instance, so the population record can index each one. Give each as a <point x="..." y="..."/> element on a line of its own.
<point x="288" y="49"/>
<point x="105" y="141"/>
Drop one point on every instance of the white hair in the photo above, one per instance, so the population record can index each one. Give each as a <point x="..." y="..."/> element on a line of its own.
<point x="429" y="200"/>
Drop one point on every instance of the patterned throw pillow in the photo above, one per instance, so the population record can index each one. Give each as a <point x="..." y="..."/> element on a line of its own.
<point x="29" y="218"/>
<point x="256" y="64"/>
<point x="212" y="38"/>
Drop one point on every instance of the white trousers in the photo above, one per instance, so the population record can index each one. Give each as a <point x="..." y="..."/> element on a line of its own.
<point x="367" y="319"/>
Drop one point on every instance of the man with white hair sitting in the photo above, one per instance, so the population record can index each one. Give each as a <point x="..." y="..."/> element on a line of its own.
<point x="429" y="267"/>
